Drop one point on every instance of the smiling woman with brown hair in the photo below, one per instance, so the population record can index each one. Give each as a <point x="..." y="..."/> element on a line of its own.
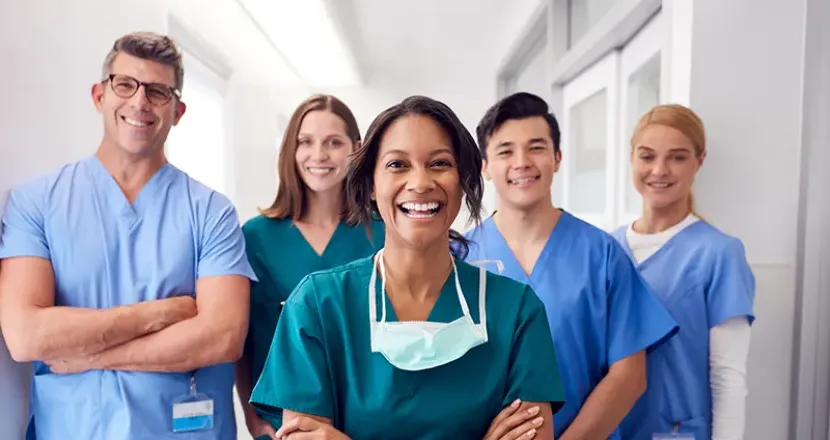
<point x="303" y="231"/>
<point x="411" y="342"/>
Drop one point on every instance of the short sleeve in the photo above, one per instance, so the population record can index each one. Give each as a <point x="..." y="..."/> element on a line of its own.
<point x="296" y="376"/>
<point x="731" y="289"/>
<point x="23" y="229"/>
<point x="263" y="282"/>
<point x="222" y="250"/>
<point x="637" y="319"/>
<point x="534" y="371"/>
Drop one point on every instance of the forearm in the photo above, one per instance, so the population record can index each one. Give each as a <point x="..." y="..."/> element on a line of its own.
<point x="729" y="349"/>
<point x="610" y="401"/>
<point x="182" y="347"/>
<point x="66" y="332"/>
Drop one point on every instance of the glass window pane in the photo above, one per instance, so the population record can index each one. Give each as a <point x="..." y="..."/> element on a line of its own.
<point x="533" y="77"/>
<point x="583" y="15"/>
<point x="643" y="94"/>
<point x="588" y="143"/>
<point x="197" y="144"/>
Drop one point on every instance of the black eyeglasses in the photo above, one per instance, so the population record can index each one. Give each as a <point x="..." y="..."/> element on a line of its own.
<point x="126" y="87"/>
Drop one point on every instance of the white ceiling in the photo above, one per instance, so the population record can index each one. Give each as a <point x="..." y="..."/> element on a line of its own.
<point x="425" y="39"/>
<point x="223" y="26"/>
<point x="420" y="41"/>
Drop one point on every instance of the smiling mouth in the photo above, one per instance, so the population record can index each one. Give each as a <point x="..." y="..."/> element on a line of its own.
<point x="420" y="210"/>
<point x="136" y="123"/>
<point x="523" y="180"/>
<point x="319" y="171"/>
<point x="660" y="185"/>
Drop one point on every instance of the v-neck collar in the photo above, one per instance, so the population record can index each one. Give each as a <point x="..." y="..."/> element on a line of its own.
<point x="511" y="262"/>
<point x="108" y="187"/>
<point x="439" y="310"/>
<point x="329" y="245"/>
<point x="663" y="249"/>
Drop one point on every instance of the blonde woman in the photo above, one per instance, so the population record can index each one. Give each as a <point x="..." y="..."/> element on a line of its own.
<point x="697" y="380"/>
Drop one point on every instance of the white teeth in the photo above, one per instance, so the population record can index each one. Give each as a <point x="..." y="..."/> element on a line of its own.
<point x="314" y="170"/>
<point x="412" y="214"/>
<point x="522" y="181"/>
<point x="422" y="207"/>
<point x="659" y="185"/>
<point x="135" y="123"/>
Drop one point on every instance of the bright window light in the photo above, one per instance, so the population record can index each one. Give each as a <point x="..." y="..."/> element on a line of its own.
<point x="197" y="144"/>
<point x="306" y="35"/>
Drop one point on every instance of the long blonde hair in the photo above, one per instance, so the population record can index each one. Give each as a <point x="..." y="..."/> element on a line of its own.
<point x="682" y="119"/>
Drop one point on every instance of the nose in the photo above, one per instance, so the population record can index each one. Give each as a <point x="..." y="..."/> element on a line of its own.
<point x="661" y="168"/>
<point x="139" y="100"/>
<point x="521" y="160"/>
<point x="320" y="152"/>
<point x="420" y="181"/>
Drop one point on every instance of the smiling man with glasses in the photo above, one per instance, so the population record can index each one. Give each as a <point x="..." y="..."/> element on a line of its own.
<point x="124" y="280"/>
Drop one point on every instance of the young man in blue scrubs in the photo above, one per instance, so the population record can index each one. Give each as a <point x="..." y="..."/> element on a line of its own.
<point x="602" y="317"/>
<point x="124" y="280"/>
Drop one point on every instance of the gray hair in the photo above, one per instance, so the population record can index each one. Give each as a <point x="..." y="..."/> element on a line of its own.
<point x="151" y="47"/>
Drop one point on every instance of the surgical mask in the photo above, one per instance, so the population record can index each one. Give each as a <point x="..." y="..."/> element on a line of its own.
<point x="414" y="345"/>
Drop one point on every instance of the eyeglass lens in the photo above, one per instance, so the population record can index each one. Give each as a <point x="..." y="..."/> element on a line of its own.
<point x="125" y="87"/>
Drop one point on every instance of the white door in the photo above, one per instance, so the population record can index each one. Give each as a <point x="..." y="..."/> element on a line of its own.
<point x="640" y="90"/>
<point x="589" y="132"/>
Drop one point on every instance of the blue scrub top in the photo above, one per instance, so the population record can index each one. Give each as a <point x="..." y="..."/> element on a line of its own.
<point x="321" y="361"/>
<point x="599" y="308"/>
<point x="703" y="278"/>
<point x="281" y="257"/>
<point x="106" y="252"/>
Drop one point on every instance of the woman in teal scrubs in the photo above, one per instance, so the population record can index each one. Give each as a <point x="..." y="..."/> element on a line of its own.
<point x="411" y="342"/>
<point x="303" y="231"/>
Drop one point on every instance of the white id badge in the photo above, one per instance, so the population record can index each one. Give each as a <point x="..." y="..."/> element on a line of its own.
<point x="193" y="411"/>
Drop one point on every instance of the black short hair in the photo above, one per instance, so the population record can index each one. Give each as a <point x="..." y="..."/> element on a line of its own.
<point x="519" y="105"/>
<point x="361" y="175"/>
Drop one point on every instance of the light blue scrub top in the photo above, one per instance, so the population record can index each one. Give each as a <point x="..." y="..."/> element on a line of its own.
<point x="321" y="361"/>
<point x="703" y="278"/>
<point x="281" y="257"/>
<point x="600" y="310"/>
<point x="105" y="253"/>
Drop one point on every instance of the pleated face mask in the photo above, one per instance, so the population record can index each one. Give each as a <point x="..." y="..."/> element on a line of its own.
<point x="413" y="345"/>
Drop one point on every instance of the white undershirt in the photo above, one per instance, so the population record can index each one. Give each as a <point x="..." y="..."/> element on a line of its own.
<point x="728" y="347"/>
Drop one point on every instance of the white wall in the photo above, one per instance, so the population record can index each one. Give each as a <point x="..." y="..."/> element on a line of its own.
<point x="746" y="84"/>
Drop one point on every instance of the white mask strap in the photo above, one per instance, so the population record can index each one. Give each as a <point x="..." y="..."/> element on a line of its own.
<point x="498" y="264"/>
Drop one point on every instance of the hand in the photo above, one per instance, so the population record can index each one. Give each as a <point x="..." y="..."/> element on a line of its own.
<point x="516" y="421"/>
<point x="69" y="365"/>
<point x="258" y="427"/>
<point x="306" y="428"/>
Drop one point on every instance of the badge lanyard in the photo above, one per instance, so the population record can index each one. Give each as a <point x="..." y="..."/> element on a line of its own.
<point x="192" y="411"/>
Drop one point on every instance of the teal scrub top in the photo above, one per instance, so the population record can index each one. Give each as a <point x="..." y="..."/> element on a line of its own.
<point x="321" y="361"/>
<point x="280" y="257"/>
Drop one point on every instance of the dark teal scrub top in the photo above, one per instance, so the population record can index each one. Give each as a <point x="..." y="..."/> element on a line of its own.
<point x="321" y="361"/>
<point x="280" y="257"/>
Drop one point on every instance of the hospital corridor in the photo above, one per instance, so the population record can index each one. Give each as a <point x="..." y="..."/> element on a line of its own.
<point x="415" y="219"/>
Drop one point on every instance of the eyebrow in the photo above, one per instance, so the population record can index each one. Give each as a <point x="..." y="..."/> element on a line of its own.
<point x="337" y="135"/>
<point x="673" y="150"/>
<point x="432" y="153"/>
<point x="536" y="140"/>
